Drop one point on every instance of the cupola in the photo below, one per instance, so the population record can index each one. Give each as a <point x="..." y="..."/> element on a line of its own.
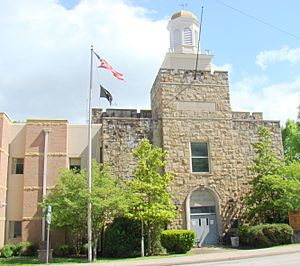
<point x="184" y="32"/>
<point x="184" y="37"/>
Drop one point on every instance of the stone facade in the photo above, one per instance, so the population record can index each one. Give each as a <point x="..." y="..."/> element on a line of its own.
<point x="187" y="110"/>
<point x="121" y="132"/>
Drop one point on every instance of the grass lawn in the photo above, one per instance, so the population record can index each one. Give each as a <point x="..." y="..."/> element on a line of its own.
<point x="26" y="261"/>
<point x="34" y="261"/>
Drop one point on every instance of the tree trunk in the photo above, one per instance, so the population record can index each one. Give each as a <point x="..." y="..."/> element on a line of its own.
<point x="95" y="247"/>
<point x="149" y="238"/>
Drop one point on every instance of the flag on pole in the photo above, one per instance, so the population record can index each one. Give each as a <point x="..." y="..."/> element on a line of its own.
<point x="105" y="94"/>
<point x="106" y="65"/>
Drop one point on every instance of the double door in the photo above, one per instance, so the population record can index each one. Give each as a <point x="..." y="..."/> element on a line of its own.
<point x="205" y="226"/>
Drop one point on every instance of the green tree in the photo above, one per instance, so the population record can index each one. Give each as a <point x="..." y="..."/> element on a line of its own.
<point x="291" y="140"/>
<point x="70" y="197"/>
<point x="266" y="162"/>
<point x="271" y="199"/>
<point x="292" y="171"/>
<point x="149" y="190"/>
<point x="272" y="196"/>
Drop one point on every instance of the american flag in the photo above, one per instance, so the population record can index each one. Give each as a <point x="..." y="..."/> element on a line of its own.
<point x="106" y="65"/>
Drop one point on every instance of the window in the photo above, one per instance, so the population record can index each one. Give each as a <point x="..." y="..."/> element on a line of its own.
<point x="17" y="166"/>
<point x="15" y="229"/>
<point x="187" y="36"/>
<point x="203" y="209"/>
<point x="199" y="153"/>
<point x="75" y="164"/>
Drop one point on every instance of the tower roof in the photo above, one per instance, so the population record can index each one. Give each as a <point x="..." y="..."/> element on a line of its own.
<point x="183" y="13"/>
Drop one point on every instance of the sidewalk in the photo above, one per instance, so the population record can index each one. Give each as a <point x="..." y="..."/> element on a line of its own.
<point x="203" y="255"/>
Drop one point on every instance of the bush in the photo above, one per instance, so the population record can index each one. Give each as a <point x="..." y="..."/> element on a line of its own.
<point x="31" y="250"/>
<point x="265" y="235"/>
<point x="177" y="241"/>
<point x="123" y="238"/>
<point x="63" y="250"/>
<point x="22" y="249"/>
<point x="8" y="250"/>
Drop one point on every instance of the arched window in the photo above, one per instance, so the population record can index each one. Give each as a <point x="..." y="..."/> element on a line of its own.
<point x="187" y="36"/>
<point x="176" y="38"/>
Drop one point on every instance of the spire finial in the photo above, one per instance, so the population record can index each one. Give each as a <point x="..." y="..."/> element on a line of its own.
<point x="183" y="5"/>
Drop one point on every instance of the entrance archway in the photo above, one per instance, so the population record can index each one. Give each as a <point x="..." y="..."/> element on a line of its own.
<point x="202" y="209"/>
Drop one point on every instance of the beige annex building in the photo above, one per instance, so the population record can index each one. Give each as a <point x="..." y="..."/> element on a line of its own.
<point x="208" y="145"/>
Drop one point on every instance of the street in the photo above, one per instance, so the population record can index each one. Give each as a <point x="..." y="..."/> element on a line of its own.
<point x="292" y="259"/>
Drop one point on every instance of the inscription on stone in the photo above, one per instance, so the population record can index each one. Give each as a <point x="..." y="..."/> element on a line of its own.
<point x="196" y="106"/>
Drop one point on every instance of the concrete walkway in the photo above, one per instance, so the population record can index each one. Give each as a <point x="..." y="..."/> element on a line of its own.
<point x="202" y="255"/>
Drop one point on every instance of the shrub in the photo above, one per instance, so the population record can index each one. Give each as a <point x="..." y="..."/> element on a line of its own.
<point x="177" y="241"/>
<point x="22" y="249"/>
<point x="265" y="235"/>
<point x="63" y="250"/>
<point x="31" y="250"/>
<point x="8" y="250"/>
<point x="123" y="238"/>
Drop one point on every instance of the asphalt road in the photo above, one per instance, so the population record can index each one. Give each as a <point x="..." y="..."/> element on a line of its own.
<point x="292" y="259"/>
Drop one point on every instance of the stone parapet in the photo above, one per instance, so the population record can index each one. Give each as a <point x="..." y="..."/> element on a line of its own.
<point x="98" y="114"/>
<point x="247" y="116"/>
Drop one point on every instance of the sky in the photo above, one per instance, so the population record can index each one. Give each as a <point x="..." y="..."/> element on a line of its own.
<point x="45" y="53"/>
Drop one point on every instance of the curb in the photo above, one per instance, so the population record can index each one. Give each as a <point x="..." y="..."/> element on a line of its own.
<point x="202" y="258"/>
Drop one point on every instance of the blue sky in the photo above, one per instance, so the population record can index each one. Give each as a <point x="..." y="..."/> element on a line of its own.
<point x="44" y="53"/>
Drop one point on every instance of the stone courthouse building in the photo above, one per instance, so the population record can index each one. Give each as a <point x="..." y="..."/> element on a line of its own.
<point x="209" y="146"/>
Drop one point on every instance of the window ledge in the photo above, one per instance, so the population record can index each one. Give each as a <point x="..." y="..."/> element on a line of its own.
<point x="201" y="173"/>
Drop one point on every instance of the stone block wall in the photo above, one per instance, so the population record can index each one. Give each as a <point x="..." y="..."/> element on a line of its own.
<point x="121" y="132"/>
<point x="198" y="110"/>
<point x="245" y="135"/>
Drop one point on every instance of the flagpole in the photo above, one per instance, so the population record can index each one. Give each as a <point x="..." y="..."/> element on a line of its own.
<point x="90" y="163"/>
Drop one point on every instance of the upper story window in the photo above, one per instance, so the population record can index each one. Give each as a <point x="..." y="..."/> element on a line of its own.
<point x="17" y="166"/>
<point x="187" y="36"/>
<point x="200" y="160"/>
<point x="75" y="164"/>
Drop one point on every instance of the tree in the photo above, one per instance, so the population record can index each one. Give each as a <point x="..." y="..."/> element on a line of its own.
<point x="151" y="200"/>
<point x="271" y="199"/>
<point x="69" y="200"/>
<point x="265" y="162"/>
<point x="272" y="196"/>
<point x="291" y="140"/>
<point x="292" y="171"/>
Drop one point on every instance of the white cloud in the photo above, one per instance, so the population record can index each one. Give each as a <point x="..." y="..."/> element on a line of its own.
<point x="276" y="101"/>
<point x="283" y="54"/>
<point x="44" y="55"/>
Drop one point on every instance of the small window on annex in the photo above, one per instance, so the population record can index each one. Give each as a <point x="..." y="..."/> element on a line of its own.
<point x="17" y="166"/>
<point x="15" y="229"/>
<point x="75" y="164"/>
<point x="200" y="160"/>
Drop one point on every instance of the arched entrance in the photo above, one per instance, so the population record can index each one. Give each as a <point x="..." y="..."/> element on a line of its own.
<point x="202" y="208"/>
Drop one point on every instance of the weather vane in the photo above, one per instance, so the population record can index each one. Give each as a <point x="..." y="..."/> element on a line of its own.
<point x="183" y="5"/>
